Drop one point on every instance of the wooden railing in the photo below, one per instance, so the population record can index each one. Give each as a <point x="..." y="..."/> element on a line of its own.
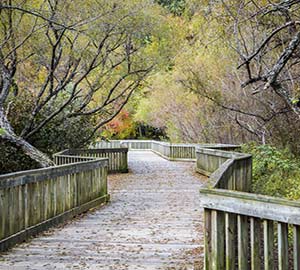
<point x="244" y="230"/>
<point x="170" y="151"/>
<point x="107" y="144"/>
<point x="117" y="157"/>
<point x="32" y="201"/>
<point x="136" y="144"/>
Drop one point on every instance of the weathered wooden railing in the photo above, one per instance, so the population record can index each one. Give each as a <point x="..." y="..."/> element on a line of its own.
<point x="136" y="144"/>
<point x="117" y="157"/>
<point x="244" y="230"/>
<point x="171" y="151"/>
<point x="32" y="201"/>
<point x="107" y="144"/>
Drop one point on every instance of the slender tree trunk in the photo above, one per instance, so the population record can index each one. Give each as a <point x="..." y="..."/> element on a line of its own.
<point x="7" y="133"/>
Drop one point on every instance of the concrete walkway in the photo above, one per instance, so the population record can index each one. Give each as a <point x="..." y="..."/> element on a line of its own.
<point x="153" y="221"/>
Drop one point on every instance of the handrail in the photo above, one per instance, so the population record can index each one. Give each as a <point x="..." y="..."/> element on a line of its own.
<point x="242" y="228"/>
<point x="170" y="151"/>
<point x="254" y="205"/>
<point x="34" y="200"/>
<point x="117" y="157"/>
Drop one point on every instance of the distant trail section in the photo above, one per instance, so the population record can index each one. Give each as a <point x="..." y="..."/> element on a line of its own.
<point x="154" y="221"/>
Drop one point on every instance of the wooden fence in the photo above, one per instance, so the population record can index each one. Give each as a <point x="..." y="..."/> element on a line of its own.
<point x="32" y="201"/>
<point x="244" y="230"/>
<point x="117" y="157"/>
<point x="170" y="151"/>
<point x="106" y="144"/>
<point x="137" y="144"/>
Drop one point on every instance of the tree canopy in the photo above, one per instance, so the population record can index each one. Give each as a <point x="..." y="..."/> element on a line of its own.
<point x="184" y="70"/>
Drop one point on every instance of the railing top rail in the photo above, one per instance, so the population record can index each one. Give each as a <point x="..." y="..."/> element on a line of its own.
<point x="63" y="152"/>
<point x="132" y="140"/>
<point x="223" y="153"/>
<point x="208" y="145"/>
<point x="98" y="150"/>
<point x="183" y="144"/>
<point x="161" y="142"/>
<point x="196" y="145"/>
<point x="84" y="158"/>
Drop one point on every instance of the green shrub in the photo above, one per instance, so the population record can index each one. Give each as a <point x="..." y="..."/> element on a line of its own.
<point x="276" y="172"/>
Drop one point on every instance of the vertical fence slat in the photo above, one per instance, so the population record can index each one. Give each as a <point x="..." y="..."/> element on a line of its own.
<point x="255" y="235"/>
<point x="230" y="240"/>
<point x="296" y="243"/>
<point x="207" y="239"/>
<point x="283" y="246"/>
<point x="2" y="216"/>
<point x="243" y="242"/>
<point x="268" y="244"/>
<point x="218" y="240"/>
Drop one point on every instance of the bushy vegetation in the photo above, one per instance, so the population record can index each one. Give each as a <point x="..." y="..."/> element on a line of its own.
<point x="276" y="172"/>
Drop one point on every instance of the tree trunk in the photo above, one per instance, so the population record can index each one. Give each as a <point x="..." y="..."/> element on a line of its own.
<point x="7" y="133"/>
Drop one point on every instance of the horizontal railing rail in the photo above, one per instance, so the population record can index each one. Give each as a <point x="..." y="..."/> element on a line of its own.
<point x="32" y="201"/>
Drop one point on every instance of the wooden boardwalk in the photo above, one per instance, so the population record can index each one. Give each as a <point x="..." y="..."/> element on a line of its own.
<point x="153" y="221"/>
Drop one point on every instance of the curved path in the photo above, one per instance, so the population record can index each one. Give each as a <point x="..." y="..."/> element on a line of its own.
<point x="153" y="221"/>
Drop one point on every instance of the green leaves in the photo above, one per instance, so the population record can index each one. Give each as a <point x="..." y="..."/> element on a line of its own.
<point x="2" y="131"/>
<point x="276" y="172"/>
<point x="176" y="7"/>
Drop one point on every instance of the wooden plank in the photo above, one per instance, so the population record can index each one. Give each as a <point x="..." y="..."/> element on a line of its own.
<point x="230" y="240"/>
<point x="53" y="188"/>
<point x="243" y="242"/>
<point x="32" y="204"/>
<point x="11" y="210"/>
<point x="19" y="213"/>
<point x="26" y="208"/>
<point x="283" y="246"/>
<point x="3" y="216"/>
<point x="45" y="198"/>
<point x="207" y="239"/>
<point x="217" y="240"/>
<point x="255" y="235"/>
<point x="296" y="250"/>
<point x="268" y="244"/>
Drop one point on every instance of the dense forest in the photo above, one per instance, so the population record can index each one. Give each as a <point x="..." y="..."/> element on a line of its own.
<point x="200" y="71"/>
